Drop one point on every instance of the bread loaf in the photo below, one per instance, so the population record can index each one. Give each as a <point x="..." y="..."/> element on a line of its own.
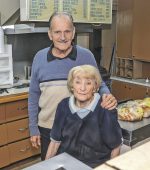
<point x="134" y="110"/>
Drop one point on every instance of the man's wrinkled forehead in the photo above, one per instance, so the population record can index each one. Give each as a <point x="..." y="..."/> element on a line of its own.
<point x="59" y="18"/>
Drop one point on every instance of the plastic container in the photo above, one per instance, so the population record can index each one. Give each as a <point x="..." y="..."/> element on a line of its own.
<point x="2" y="46"/>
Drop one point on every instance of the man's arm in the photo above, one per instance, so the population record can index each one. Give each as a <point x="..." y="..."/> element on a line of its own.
<point x="103" y="89"/>
<point x="33" y="100"/>
<point x="108" y="100"/>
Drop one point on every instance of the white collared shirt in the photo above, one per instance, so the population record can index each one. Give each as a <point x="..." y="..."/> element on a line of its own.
<point x="82" y="112"/>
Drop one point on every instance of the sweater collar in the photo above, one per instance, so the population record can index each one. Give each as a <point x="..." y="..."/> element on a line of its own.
<point x="72" y="55"/>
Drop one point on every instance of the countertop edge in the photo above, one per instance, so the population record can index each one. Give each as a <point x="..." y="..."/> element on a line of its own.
<point x="13" y="97"/>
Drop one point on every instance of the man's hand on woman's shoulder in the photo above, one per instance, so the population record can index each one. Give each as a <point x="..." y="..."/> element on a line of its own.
<point x="109" y="101"/>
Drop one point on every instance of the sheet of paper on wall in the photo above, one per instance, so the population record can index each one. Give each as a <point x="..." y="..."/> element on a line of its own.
<point x="83" y="11"/>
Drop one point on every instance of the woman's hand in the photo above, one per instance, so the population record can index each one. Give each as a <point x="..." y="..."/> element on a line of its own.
<point x="52" y="149"/>
<point x="35" y="141"/>
<point x="109" y="101"/>
<point x="115" y="152"/>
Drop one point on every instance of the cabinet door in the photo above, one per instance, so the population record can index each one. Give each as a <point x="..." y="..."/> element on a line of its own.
<point x="3" y="134"/>
<point x="16" y="110"/>
<point x="2" y="113"/>
<point x="120" y="90"/>
<point x="128" y="91"/>
<point x="21" y="150"/>
<point x="141" y="30"/>
<point x="17" y="130"/>
<point x="138" y="92"/>
<point x="124" y="28"/>
<point x="4" y="156"/>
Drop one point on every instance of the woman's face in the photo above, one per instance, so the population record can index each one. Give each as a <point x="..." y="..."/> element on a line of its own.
<point x="83" y="90"/>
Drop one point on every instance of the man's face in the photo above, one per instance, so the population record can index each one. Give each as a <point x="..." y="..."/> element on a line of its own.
<point x="61" y="33"/>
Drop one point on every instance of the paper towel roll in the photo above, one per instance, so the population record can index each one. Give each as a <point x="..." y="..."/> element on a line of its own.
<point x="2" y="46"/>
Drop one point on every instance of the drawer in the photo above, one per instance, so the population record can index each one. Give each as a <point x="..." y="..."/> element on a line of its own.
<point x="16" y="110"/>
<point x="3" y="134"/>
<point x="21" y="150"/>
<point x="4" y="156"/>
<point x="2" y="113"/>
<point x="17" y="130"/>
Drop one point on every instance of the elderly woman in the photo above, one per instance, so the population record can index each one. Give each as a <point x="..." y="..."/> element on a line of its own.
<point x="82" y="128"/>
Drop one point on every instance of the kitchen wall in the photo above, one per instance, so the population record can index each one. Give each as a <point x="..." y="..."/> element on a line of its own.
<point x="24" y="48"/>
<point x="7" y="9"/>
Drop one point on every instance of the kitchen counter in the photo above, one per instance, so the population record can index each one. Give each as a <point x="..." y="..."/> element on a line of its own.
<point x="62" y="161"/>
<point x="134" y="132"/>
<point x="136" y="159"/>
<point x="14" y="94"/>
<point x="141" y="82"/>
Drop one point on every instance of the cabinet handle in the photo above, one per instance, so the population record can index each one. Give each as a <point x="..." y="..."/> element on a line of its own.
<point x="22" y="108"/>
<point x="22" y="129"/>
<point x="24" y="150"/>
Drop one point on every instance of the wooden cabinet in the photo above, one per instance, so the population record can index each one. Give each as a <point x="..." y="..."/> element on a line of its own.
<point x="4" y="156"/>
<point x="133" y="38"/>
<point x="128" y="91"/>
<point x="133" y="25"/>
<point x="2" y="113"/>
<point x="17" y="130"/>
<point x="3" y="134"/>
<point x="124" y="28"/>
<point x="21" y="150"/>
<point x="16" y="110"/>
<point x="141" y="33"/>
<point x="14" y="133"/>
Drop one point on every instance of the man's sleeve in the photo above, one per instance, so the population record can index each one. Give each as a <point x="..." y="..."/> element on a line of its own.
<point x="103" y="89"/>
<point x="33" y="100"/>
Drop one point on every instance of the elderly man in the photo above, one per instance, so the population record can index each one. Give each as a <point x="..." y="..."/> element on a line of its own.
<point x="50" y="70"/>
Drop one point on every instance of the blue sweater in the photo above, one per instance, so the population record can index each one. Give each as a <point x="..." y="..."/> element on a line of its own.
<point x="48" y="84"/>
<point x="90" y="139"/>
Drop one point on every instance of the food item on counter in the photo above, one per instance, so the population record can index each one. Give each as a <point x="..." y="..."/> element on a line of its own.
<point x="134" y="110"/>
<point x="145" y="104"/>
<point x="130" y="112"/>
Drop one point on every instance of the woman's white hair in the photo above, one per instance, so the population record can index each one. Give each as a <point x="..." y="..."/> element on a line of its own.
<point x="87" y="71"/>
